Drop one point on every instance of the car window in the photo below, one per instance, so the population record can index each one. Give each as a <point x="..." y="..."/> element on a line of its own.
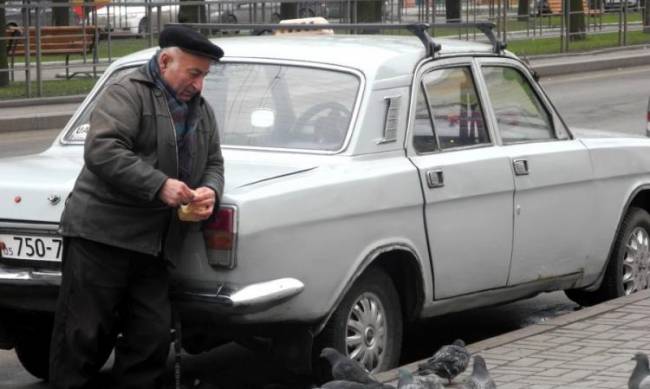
<point x="280" y="106"/>
<point x="424" y="139"/>
<point x="265" y="105"/>
<point x="78" y="130"/>
<point x="458" y="118"/>
<point x="519" y="113"/>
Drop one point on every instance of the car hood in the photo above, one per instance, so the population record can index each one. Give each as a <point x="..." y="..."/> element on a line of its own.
<point x="31" y="185"/>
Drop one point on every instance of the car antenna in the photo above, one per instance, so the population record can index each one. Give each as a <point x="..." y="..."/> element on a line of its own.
<point x="421" y="30"/>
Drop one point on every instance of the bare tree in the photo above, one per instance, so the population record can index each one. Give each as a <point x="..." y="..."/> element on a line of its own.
<point x="453" y="10"/>
<point x="4" y="76"/>
<point x="191" y="13"/>
<point x="576" y="13"/>
<point x="645" y="4"/>
<point x="523" y="10"/>
<point x="60" y="15"/>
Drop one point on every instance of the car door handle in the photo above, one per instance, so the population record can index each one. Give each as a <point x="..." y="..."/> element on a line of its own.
<point x="521" y="167"/>
<point x="435" y="178"/>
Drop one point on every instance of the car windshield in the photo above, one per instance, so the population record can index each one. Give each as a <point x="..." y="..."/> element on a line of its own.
<point x="272" y="106"/>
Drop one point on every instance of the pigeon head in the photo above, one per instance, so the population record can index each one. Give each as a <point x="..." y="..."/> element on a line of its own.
<point x="330" y="354"/>
<point x="641" y="359"/>
<point x="459" y="342"/>
<point x="479" y="364"/>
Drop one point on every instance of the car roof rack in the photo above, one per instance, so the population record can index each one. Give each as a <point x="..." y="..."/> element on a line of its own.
<point x="421" y="30"/>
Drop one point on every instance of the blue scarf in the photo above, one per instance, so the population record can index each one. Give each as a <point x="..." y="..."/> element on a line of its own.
<point x="184" y="118"/>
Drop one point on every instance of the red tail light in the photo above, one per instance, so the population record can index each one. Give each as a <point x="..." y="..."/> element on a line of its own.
<point x="220" y="234"/>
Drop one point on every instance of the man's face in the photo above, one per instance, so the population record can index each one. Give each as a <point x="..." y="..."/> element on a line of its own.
<point x="183" y="72"/>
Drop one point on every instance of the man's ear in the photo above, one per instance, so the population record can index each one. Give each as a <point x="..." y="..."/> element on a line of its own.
<point x="164" y="60"/>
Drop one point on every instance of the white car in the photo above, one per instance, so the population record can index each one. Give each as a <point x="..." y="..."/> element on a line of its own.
<point x="370" y="181"/>
<point x="138" y="16"/>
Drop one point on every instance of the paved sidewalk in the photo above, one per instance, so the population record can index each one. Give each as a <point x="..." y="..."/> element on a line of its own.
<point x="590" y="348"/>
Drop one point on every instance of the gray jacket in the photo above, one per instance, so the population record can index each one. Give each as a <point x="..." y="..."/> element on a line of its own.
<point x="130" y="151"/>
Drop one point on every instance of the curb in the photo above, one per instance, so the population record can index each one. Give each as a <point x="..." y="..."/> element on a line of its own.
<point x="586" y="65"/>
<point x="535" y="329"/>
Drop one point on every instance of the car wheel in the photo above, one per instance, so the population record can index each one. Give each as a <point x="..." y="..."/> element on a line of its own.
<point x="32" y="343"/>
<point x="367" y="324"/>
<point x="628" y="270"/>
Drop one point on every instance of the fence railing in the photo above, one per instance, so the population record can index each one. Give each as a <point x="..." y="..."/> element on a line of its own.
<point x="100" y="31"/>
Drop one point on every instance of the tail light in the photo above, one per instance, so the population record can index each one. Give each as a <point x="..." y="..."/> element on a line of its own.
<point x="220" y="234"/>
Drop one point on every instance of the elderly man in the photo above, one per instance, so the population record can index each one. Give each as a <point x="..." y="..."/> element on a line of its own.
<point x="153" y="145"/>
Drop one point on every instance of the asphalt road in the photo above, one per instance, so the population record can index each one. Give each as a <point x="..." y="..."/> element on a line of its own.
<point x="612" y="100"/>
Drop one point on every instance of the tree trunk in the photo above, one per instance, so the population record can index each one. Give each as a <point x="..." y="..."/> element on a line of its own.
<point x="288" y="10"/>
<point x="646" y="16"/>
<point x="369" y="11"/>
<point x="4" y="76"/>
<point x="523" y="10"/>
<point x="576" y="20"/>
<point x="60" y="15"/>
<point x="191" y="13"/>
<point x="453" y="10"/>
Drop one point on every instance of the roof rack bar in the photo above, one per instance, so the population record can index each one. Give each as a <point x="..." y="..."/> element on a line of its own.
<point x="421" y="30"/>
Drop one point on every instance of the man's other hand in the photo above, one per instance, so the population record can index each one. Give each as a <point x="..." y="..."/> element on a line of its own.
<point x="175" y="192"/>
<point x="203" y="203"/>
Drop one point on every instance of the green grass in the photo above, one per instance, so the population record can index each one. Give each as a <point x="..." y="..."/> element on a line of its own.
<point x="592" y="42"/>
<point x="16" y="90"/>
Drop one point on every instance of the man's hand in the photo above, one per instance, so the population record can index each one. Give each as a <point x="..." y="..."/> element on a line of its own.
<point x="175" y="192"/>
<point x="203" y="203"/>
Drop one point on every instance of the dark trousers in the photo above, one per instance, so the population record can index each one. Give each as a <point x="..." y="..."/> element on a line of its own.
<point x="107" y="290"/>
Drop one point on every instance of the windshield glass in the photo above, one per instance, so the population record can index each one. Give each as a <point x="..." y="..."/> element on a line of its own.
<point x="273" y="106"/>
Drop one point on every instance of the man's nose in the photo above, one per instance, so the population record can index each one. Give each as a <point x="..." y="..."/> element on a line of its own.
<point x="198" y="83"/>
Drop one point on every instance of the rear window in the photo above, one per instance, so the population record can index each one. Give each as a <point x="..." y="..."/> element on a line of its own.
<point x="272" y="106"/>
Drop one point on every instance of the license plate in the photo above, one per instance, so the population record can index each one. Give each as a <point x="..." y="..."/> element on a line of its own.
<point x="32" y="247"/>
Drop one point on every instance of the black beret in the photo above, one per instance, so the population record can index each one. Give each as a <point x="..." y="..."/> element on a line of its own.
<point x="189" y="40"/>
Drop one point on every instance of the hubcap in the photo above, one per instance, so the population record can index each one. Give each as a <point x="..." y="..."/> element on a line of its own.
<point x="636" y="262"/>
<point x="366" y="331"/>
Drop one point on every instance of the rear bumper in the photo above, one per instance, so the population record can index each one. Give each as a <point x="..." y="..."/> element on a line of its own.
<point x="36" y="289"/>
<point x="252" y="298"/>
<point x="29" y="289"/>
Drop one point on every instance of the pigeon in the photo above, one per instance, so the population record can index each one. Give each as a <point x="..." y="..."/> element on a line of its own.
<point x="346" y="369"/>
<point x="640" y="378"/>
<point x="409" y="381"/>
<point x="480" y="377"/>
<point x="448" y="362"/>
<point x="342" y="384"/>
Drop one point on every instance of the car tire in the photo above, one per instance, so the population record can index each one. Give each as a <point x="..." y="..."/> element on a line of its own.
<point x="32" y="344"/>
<point x="381" y="332"/>
<point x="628" y="269"/>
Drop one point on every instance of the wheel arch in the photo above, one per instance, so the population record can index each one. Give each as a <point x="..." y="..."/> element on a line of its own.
<point x="401" y="263"/>
<point x="639" y="198"/>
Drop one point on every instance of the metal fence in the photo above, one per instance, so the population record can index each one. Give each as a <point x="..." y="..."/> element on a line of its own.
<point x="99" y="32"/>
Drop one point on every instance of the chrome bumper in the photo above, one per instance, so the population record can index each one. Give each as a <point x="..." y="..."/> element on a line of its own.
<point x="29" y="276"/>
<point x="248" y="299"/>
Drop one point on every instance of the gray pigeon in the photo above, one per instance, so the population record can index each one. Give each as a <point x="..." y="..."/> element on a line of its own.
<point x="448" y="362"/>
<point x="640" y="378"/>
<point x="409" y="381"/>
<point x="480" y="377"/>
<point x="346" y="369"/>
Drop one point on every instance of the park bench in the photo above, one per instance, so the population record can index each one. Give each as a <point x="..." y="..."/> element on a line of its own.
<point x="555" y="8"/>
<point x="55" y="40"/>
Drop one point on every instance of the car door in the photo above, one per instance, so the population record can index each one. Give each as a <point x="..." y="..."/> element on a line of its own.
<point x="466" y="181"/>
<point x="554" y="206"/>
